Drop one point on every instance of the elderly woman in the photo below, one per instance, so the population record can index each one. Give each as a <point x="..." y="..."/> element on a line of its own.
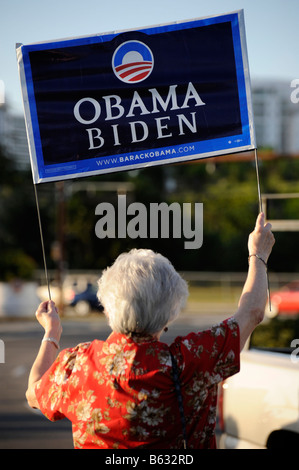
<point x="120" y="393"/>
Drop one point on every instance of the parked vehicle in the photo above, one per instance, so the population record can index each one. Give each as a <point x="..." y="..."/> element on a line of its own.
<point x="259" y="406"/>
<point x="85" y="302"/>
<point x="77" y="294"/>
<point x="284" y="300"/>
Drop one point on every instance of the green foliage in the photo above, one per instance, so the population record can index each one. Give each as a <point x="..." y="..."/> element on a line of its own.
<point x="228" y="191"/>
<point x="16" y="264"/>
<point x="276" y="333"/>
<point x="20" y="249"/>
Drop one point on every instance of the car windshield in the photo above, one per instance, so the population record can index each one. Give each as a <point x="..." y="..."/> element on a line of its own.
<point x="276" y="334"/>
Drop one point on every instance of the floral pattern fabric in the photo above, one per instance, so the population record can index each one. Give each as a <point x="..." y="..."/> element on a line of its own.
<point x="119" y="393"/>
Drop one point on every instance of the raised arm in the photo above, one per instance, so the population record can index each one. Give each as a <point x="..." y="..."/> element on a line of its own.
<point x="49" y="319"/>
<point x="254" y="295"/>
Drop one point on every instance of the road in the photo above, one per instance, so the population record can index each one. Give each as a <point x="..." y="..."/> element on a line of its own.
<point x="24" y="428"/>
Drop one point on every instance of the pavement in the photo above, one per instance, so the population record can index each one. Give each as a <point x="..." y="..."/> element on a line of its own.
<point x="24" y="428"/>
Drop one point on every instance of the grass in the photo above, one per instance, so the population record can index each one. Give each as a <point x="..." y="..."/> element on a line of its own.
<point x="214" y="294"/>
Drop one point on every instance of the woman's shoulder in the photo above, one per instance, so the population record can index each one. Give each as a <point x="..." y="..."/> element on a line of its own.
<point x="68" y="354"/>
<point x="217" y="333"/>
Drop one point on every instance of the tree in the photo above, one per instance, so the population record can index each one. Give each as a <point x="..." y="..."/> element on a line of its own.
<point x="20" y="251"/>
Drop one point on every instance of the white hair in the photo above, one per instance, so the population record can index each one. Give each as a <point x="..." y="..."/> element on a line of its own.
<point x="141" y="292"/>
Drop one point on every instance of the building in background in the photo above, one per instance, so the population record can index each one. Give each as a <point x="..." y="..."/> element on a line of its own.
<point x="276" y="117"/>
<point x="13" y="136"/>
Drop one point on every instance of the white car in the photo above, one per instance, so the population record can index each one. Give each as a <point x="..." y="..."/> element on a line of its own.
<point x="259" y="406"/>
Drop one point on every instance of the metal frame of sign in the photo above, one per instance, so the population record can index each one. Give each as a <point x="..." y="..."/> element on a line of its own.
<point x="188" y="145"/>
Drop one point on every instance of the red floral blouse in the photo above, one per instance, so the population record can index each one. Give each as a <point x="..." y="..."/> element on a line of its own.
<point x="119" y="393"/>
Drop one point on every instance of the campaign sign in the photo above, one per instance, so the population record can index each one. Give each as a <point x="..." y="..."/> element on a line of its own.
<point x="130" y="99"/>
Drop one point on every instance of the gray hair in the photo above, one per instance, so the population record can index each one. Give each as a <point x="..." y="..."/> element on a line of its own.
<point x="141" y="292"/>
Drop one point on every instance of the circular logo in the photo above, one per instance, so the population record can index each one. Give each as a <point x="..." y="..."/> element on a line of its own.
<point x="132" y="62"/>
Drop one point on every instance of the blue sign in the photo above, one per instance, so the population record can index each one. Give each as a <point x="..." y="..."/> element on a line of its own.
<point x="137" y="98"/>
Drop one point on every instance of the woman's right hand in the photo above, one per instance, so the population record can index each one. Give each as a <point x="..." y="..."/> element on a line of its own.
<point x="261" y="240"/>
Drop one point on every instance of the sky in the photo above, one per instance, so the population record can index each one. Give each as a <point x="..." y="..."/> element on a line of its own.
<point x="271" y="29"/>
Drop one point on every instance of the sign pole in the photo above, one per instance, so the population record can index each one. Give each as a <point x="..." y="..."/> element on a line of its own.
<point x="261" y="210"/>
<point x="258" y="180"/>
<point x="42" y="240"/>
